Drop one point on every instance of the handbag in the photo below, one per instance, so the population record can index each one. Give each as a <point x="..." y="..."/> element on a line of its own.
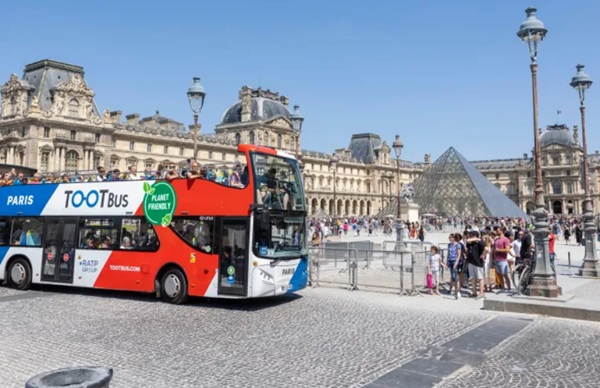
<point x="429" y="281"/>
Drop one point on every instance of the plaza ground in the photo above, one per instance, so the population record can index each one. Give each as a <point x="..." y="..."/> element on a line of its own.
<point x="321" y="337"/>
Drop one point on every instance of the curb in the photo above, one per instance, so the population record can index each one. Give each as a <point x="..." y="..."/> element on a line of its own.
<point x="559" y="311"/>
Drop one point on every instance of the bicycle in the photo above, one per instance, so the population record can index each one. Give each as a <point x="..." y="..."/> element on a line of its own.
<point x="522" y="275"/>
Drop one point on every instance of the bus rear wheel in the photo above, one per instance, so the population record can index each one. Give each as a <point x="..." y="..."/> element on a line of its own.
<point x="19" y="274"/>
<point x="173" y="287"/>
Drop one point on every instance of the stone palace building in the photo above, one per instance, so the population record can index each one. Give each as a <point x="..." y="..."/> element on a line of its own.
<point x="49" y="121"/>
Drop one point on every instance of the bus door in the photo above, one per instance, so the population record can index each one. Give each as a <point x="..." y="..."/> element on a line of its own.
<point x="233" y="257"/>
<point x="60" y="242"/>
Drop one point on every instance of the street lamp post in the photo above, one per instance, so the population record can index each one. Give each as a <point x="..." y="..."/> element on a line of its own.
<point x="333" y="162"/>
<point x="196" y="95"/>
<point x="397" y="146"/>
<point x="591" y="266"/>
<point x="297" y="120"/>
<point x="532" y="32"/>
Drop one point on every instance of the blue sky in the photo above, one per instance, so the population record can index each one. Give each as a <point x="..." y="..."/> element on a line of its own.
<point x="439" y="73"/>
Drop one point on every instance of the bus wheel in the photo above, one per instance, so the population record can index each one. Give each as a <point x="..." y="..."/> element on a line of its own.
<point x="173" y="287"/>
<point x="19" y="274"/>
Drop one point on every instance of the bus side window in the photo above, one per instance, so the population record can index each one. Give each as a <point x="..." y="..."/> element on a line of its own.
<point x="196" y="231"/>
<point x="98" y="233"/>
<point x="5" y="231"/>
<point x="140" y="235"/>
<point x="27" y="231"/>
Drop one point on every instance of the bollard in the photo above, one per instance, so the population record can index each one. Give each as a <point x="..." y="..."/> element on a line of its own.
<point x="569" y="259"/>
<point x="83" y="377"/>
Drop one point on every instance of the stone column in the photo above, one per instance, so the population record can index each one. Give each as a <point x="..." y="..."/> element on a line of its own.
<point x="10" y="154"/>
<point x="61" y="161"/>
<point x="91" y="160"/>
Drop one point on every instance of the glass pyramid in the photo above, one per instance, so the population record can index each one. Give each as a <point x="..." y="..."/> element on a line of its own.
<point x="452" y="186"/>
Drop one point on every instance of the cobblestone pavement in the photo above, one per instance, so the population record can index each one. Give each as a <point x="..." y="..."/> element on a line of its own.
<point x="320" y="338"/>
<point x="548" y="353"/>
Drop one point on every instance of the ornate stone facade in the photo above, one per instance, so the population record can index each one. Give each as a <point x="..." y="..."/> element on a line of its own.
<point x="562" y="171"/>
<point x="49" y="121"/>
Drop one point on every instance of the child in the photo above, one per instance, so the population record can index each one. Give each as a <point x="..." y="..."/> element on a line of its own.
<point x="433" y="268"/>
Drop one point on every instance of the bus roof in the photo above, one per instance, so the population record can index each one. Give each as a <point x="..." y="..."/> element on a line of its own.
<point x="264" y="150"/>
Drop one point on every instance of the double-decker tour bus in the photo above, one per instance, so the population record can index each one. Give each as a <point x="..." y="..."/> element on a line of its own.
<point x="179" y="238"/>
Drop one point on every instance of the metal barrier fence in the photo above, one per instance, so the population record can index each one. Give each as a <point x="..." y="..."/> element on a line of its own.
<point x="404" y="272"/>
<point x="412" y="245"/>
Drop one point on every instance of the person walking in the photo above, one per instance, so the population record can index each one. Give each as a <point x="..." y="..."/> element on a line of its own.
<point x="421" y="233"/>
<point x="501" y="251"/>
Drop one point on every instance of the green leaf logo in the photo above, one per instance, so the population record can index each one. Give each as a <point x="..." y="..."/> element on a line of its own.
<point x="160" y="202"/>
<point x="166" y="220"/>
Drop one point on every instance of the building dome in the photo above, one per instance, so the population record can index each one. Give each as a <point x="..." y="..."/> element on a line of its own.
<point x="557" y="134"/>
<point x="261" y="109"/>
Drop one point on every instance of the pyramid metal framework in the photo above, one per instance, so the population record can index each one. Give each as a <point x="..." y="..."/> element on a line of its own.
<point x="452" y="186"/>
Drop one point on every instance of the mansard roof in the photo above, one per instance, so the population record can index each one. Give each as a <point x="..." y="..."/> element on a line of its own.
<point x="45" y="75"/>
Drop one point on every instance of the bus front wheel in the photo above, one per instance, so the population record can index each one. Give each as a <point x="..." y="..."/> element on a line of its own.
<point x="19" y="274"/>
<point x="173" y="287"/>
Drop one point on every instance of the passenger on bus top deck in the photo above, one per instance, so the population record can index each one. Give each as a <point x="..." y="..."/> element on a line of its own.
<point x="235" y="179"/>
<point x="194" y="171"/>
<point x="244" y="176"/>
<point x="64" y="178"/>
<point x="49" y="178"/>
<point x="101" y="176"/>
<point x="7" y="179"/>
<point x="132" y="173"/>
<point x="20" y="179"/>
<point x="115" y="175"/>
<point x="171" y="172"/>
<point x="36" y="180"/>
<point x="149" y="175"/>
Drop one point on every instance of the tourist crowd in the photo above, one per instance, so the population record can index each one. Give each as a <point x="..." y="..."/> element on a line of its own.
<point x="236" y="176"/>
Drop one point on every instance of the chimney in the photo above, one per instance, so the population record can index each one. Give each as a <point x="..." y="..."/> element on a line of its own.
<point x="576" y="133"/>
<point x="133" y="119"/>
<point x="115" y="116"/>
<point x="427" y="158"/>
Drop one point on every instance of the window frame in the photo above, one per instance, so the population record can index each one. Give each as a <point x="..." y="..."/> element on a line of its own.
<point x="213" y="219"/>
<point x="12" y="230"/>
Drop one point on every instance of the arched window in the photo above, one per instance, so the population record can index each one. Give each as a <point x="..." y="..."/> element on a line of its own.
<point x="557" y="187"/>
<point x="71" y="159"/>
<point x="279" y="141"/>
<point x="251" y="137"/>
<point x="238" y="138"/>
<point x="74" y="108"/>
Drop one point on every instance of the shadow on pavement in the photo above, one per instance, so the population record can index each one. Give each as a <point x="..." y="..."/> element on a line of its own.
<point x="253" y="304"/>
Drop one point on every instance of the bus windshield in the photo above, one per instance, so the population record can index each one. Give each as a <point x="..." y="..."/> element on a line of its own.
<point x="284" y="237"/>
<point x="278" y="182"/>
